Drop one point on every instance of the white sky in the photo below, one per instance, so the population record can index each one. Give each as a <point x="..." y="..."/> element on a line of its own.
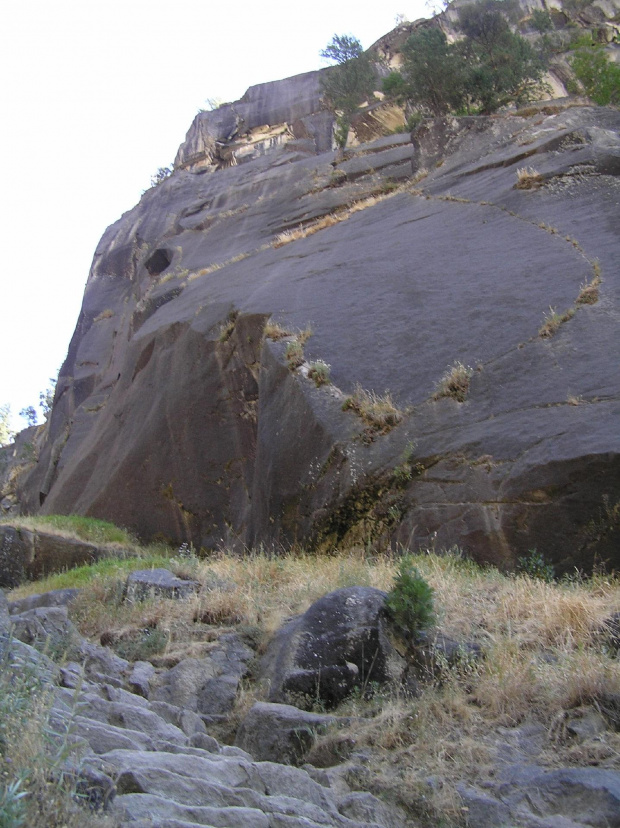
<point x="94" y="99"/>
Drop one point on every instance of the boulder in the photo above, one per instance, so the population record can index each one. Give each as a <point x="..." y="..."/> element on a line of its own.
<point x="280" y="732"/>
<point x="47" y="628"/>
<point x="339" y="643"/>
<point x="150" y="583"/>
<point x="140" y="677"/>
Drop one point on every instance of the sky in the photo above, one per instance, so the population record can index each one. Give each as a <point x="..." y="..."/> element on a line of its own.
<point x="94" y="98"/>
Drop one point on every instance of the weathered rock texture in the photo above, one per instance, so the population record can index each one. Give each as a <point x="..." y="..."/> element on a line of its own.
<point x="27" y="554"/>
<point x="175" y="416"/>
<point x="342" y="641"/>
<point x="150" y="762"/>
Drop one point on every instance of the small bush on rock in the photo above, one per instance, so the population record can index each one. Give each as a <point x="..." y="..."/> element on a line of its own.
<point x="528" y="178"/>
<point x="319" y="372"/>
<point x="410" y="603"/>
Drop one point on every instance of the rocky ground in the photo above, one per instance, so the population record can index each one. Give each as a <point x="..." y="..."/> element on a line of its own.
<point x="142" y="734"/>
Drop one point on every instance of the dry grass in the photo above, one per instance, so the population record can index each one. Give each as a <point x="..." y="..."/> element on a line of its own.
<point x="205" y="271"/>
<point x="275" y="331"/>
<point x="454" y="383"/>
<point x="553" y="231"/>
<point x="589" y="291"/>
<point x="304" y="335"/>
<point x="228" y="326"/>
<point x="212" y="268"/>
<point x="552" y="322"/>
<point x="35" y="789"/>
<point x="294" y="234"/>
<point x="330" y="219"/>
<point x="378" y="411"/>
<point x="294" y="353"/>
<point x="545" y="660"/>
<point x="528" y="179"/>
<point x="258" y="591"/>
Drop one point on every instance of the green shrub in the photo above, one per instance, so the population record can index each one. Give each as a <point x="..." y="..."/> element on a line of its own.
<point x="541" y="21"/>
<point x="599" y="76"/>
<point x="347" y="84"/>
<point x="12" y="805"/>
<point x="294" y="354"/>
<point x="142" y="645"/>
<point x="534" y="565"/>
<point x="410" y="603"/>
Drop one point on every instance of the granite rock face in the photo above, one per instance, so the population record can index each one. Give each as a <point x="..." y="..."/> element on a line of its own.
<point x="177" y="417"/>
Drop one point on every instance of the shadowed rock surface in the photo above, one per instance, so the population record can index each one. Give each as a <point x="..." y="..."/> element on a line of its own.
<point x="177" y="417"/>
<point x="27" y="554"/>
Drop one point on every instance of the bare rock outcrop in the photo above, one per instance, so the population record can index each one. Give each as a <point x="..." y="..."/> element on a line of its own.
<point x="485" y="243"/>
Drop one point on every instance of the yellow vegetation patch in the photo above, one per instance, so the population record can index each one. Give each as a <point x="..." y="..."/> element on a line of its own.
<point x="328" y="220"/>
<point x="376" y="410"/>
<point x="528" y="179"/>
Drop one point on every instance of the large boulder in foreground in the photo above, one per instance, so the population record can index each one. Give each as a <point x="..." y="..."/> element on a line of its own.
<point x="339" y="643"/>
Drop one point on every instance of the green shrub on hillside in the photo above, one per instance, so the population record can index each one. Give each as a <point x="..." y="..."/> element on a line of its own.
<point x="410" y="603"/>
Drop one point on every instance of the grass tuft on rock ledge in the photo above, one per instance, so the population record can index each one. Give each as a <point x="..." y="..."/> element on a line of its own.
<point x="378" y="411"/>
<point x="454" y="383"/>
<point x="553" y="321"/>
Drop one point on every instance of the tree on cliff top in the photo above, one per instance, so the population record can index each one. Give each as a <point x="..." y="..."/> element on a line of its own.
<point x="348" y="83"/>
<point x="488" y="68"/>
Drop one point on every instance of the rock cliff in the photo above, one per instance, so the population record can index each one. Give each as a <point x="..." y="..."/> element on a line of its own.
<point x="486" y="243"/>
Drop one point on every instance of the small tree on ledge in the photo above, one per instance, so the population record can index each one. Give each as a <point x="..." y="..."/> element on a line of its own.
<point x="348" y="83"/>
